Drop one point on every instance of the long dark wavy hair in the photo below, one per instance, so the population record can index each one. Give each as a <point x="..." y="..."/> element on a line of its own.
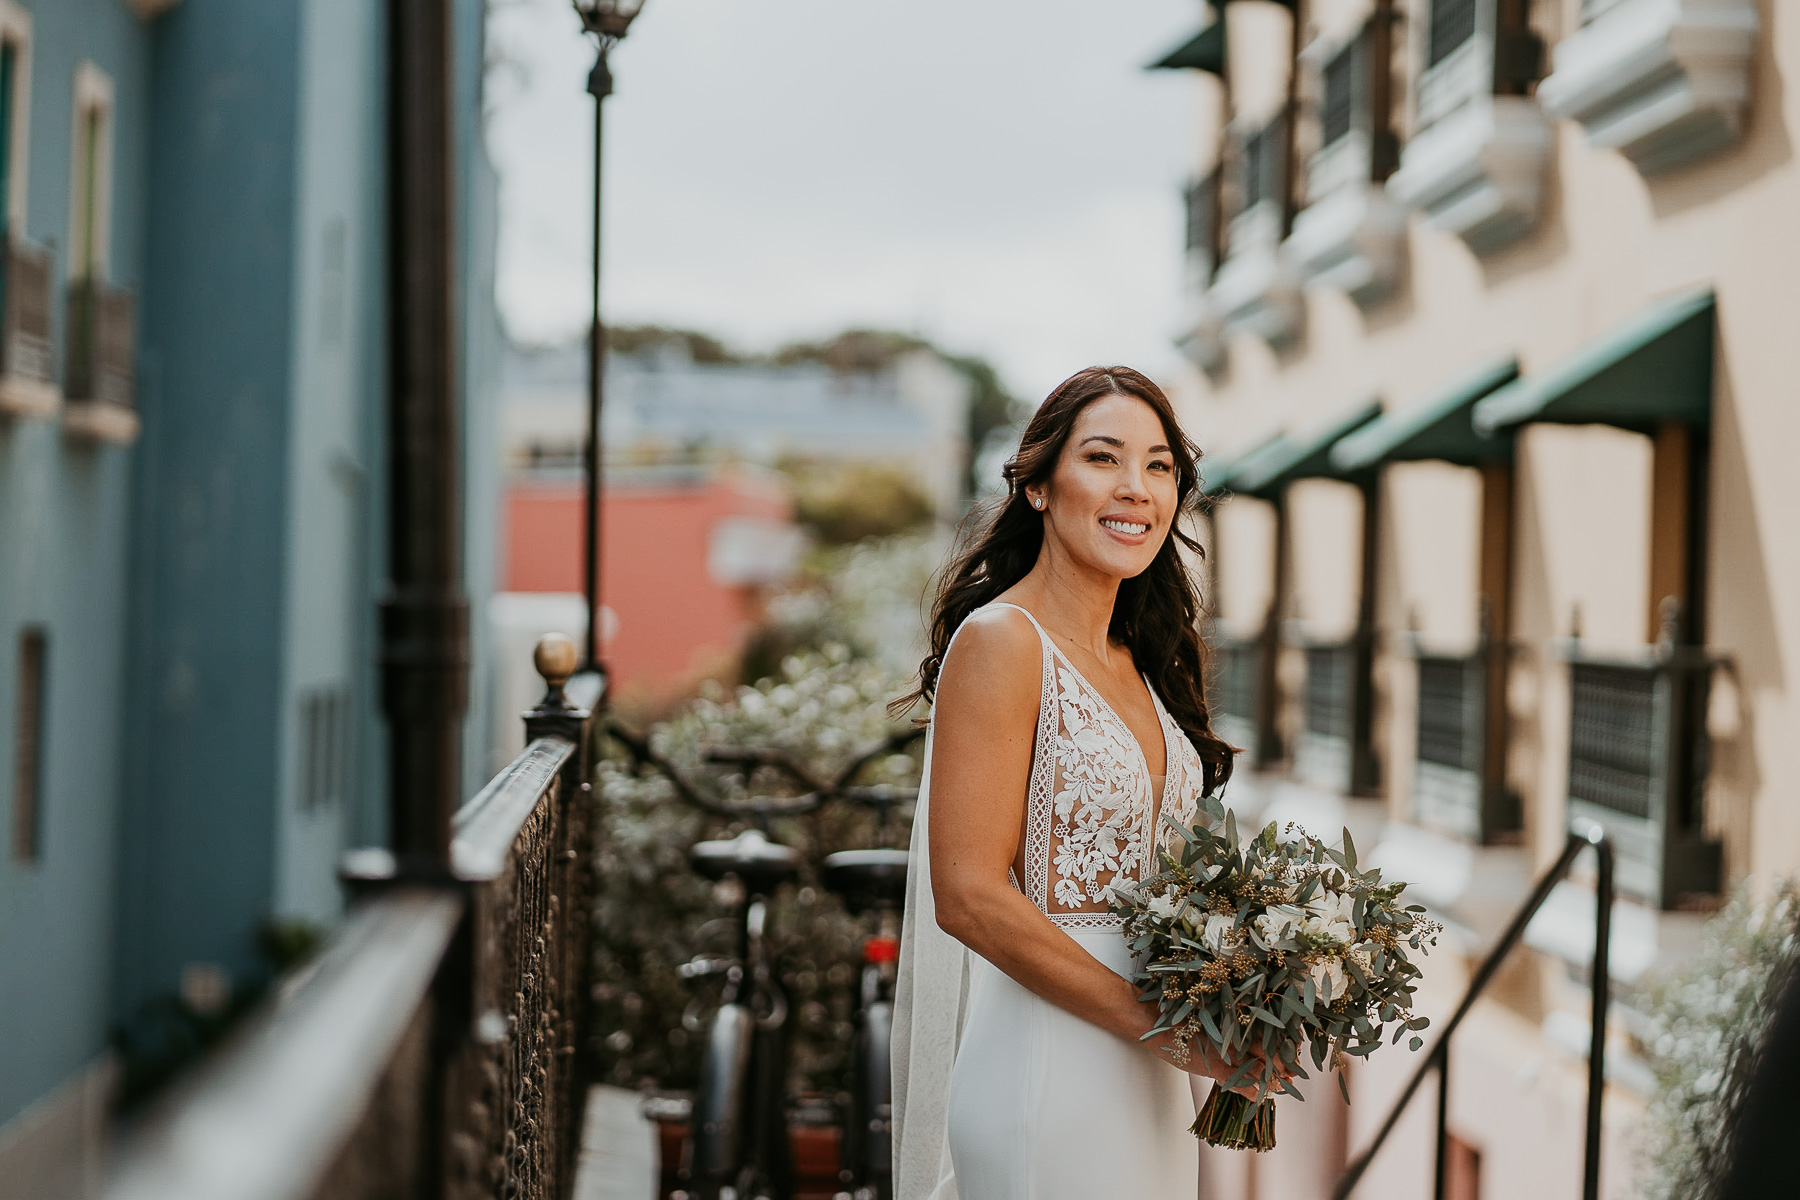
<point x="1156" y="614"/>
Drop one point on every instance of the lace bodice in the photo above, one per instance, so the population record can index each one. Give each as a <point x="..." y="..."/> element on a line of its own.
<point x="1091" y="812"/>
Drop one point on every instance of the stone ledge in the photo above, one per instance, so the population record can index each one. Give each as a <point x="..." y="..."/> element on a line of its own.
<point x="1661" y="81"/>
<point x="1479" y="173"/>
<point x="101" y="421"/>
<point x="1354" y="240"/>
<point x="23" y="396"/>
<point x="1258" y="292"/>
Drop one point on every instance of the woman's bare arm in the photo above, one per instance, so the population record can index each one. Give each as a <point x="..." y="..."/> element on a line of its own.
<point x="984" y="720"/>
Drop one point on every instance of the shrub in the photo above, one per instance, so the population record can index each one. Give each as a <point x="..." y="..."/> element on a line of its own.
<point x="654" y="914"/>
<point x="1709" y="1022"/>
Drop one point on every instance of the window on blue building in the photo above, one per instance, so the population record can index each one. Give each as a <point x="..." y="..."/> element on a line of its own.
<point x="28" y="743"/>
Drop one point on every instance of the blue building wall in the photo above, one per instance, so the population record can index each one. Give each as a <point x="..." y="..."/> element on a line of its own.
<point x="208" y="570"/>
<point x="259" y="550"/>
<point x="204" y="588"/>
<point x="64" y="508"/>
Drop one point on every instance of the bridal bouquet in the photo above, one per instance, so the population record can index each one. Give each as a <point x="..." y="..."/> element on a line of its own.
<point x="1267" y="949"/>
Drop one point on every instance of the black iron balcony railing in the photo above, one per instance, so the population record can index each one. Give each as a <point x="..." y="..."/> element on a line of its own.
<point x="1203" y="202"/>
<point x="26" y="372"/>
<point x="1582" y="836"/>
<point x="431" y="1049"/>
<point x="101" y="343"/>
<point x="1638" y="757"/>
<point x="1262" y="167"/>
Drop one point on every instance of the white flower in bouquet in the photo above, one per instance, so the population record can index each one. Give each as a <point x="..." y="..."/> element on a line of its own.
<point x="1163" y="907"/>
<point x="1329" y="915"/>
<point x="1219" y="933"/>
<point x="1277" y="924"/>
<point x="1328" y="977"/>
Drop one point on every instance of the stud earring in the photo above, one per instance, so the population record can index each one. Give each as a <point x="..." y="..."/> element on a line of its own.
<point x="1037" y="502"/>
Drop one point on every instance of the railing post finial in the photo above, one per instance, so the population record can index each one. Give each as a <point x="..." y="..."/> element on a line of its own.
<point x="556" y="659"/>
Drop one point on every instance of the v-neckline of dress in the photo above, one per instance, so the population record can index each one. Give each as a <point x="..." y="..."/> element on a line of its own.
<point x="1156" y="705"/>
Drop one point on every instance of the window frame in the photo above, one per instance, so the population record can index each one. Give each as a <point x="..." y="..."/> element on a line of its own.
<point x="31" y="741"/>
<point x="94" y="101"/>
<point x="15" y="30"/>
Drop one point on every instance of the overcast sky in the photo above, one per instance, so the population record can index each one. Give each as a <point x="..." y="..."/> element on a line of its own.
<point x="1001" y="176"/>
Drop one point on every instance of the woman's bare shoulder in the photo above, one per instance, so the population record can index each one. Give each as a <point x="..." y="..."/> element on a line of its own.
<point x="996" y="657"/>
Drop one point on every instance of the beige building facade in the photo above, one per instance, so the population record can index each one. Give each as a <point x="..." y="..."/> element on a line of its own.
<point x="1492" y="310"/>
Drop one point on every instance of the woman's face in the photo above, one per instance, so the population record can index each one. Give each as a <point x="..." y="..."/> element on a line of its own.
<point x="1112" y="497"/>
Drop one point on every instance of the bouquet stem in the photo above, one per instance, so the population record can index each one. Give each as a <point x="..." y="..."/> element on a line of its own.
<point x="1235" y="1121"/>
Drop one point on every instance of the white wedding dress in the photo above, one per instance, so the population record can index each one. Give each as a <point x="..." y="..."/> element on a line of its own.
<point x="998" y="1094"/>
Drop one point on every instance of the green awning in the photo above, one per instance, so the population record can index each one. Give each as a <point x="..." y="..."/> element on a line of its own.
<point x="1205" y="51"/>
<point x="1217" y="476"/>
<point x="1654" y="369"/>
<point x="1438" y="429"/>
<point x="1268" y="469"/>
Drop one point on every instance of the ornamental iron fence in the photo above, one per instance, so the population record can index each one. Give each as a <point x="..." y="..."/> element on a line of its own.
<point x="430" y="1050"/>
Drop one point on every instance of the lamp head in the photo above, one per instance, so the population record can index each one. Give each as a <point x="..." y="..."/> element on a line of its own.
<point x="607" y="18"/>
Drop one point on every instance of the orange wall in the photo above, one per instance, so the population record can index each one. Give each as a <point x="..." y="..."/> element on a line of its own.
<point x="674" y="620"/>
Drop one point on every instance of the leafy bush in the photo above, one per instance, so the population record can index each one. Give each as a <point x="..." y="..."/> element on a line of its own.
<point x="869" y="598"/>
<point x="849" y="502"/>
<point x="1709" y="1022"/>
<point x="823" y="708"/>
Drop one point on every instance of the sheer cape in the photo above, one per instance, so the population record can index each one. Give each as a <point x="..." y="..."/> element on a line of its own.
<point x="931" y="999"/>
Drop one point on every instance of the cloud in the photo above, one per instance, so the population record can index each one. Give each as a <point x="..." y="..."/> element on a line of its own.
<point x="1000" y="175"/>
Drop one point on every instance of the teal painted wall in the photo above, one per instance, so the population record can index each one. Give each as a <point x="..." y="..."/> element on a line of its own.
<point x="258" y="538"/>
<point x="208" y="571"/>
<point x="204" y="588"/>
<point x="64" y="527"/>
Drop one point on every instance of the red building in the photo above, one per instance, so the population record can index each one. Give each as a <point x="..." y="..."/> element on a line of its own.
<point x="686" y="552"/>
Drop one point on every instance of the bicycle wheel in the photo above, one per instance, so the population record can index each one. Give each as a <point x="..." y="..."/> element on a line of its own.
<point x="718" y="1150"/>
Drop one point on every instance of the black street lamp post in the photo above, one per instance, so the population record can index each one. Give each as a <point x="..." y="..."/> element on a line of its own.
<point x="607" y="20"/>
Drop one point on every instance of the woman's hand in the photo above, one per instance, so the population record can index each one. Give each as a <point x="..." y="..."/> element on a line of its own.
<point x="1205" y="1060"/>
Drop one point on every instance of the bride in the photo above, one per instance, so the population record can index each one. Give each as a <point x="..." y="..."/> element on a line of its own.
<point x="1068" y="717"/>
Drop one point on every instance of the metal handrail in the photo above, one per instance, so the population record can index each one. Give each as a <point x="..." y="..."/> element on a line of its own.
<point x="267" y="1117"/>
<point x="432" y="1048"/>
<point x="1582" y="835"/>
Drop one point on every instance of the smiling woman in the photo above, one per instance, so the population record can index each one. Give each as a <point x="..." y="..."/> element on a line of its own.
<point x="1069" y="718"/>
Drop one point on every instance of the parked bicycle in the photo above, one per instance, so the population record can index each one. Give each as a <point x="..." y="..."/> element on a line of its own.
<point x="738" y="1148"/>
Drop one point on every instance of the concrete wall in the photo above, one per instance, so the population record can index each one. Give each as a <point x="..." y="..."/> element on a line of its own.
<point x="667" y="562"/>
<point x="64" y="508"/>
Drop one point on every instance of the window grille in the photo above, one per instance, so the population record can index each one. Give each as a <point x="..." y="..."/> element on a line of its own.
<point x="1336" y="114"/>
<point x="1263" y="165"/>
<point x="1328" y="690"/>
<point x="25" y="317"/>
<point x="1236" y="679"/>
<point x="1612" y="742"/>
<point x="1452" y="23"/>
<point x="102" y="343"/>
<point x="28" y="744"/>
<point x="1202" y="204"/>
<point x="325" y="764"/>
<point x="1450" y="712"/>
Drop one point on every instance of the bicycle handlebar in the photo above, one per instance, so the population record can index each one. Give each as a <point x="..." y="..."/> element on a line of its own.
<point x="819" y="790"/>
